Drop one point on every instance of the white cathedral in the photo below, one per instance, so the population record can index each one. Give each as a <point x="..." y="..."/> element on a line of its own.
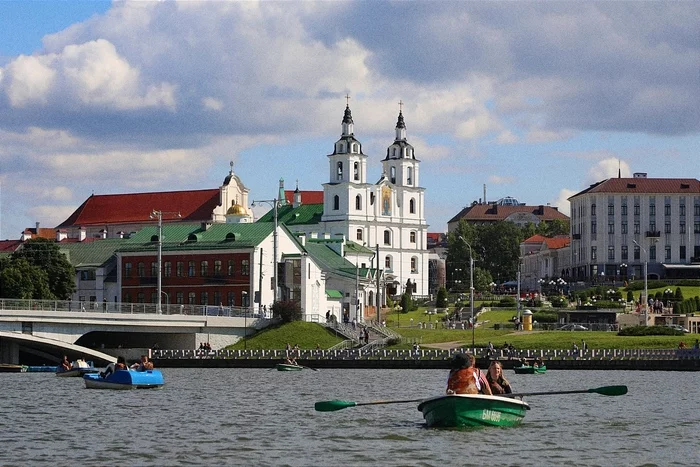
<point x="388" y="214"/>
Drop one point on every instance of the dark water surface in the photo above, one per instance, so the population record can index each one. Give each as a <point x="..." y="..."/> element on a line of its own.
<point x="260" y="417"/>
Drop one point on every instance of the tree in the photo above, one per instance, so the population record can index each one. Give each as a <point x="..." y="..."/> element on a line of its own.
<point x="287" y="311"/>
<point x="45" y="255"/>
<point x="679" y="294"/>
<point x="19" y="279"/>
<point x="441" y="300"/>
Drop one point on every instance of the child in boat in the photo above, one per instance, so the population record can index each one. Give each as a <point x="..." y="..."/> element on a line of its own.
<point x="497" y="382"/>
<point x="465" y="378"/>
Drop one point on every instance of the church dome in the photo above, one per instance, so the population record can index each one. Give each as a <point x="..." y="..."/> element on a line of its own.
<point x="236" y="210"/>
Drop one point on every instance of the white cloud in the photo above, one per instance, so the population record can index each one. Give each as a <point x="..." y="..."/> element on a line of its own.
<point x="562" y="201"/>
<point x="211" y="103"/>
<point x="507" y="137"/>
<point x="608" y="168"/>
<point x="27" y="80"/>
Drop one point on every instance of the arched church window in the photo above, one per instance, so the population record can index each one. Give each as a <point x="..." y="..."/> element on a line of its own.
<point x="336" y="202"/>
<point x="392" y="171"/>
<point x="414" y="265"/>
<point x="409" y="176"/>
<point x="371" y="198"/>
<point x="412" y="206"/>
<point x="358" y="202"/>
<point x="340" y="171"/>
<point x="356" y="170"/>
<point x="412" y="237"/>
<point x="354" y="148"/>
<point x="394" y="152"/>
<point x="387" y="262"/>
<point x="359" y="234"/>
<point x="387" y="237"/>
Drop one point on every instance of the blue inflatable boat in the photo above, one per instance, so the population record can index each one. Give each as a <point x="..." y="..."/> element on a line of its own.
<point x="125" y="379"/>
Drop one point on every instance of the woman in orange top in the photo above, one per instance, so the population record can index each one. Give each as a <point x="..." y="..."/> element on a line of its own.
<point x="465" y="378"/>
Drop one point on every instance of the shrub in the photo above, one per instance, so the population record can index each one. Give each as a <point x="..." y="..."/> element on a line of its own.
<point x="287" y="311"/>
<point x="639" y="285"/>
<point x="630" y="296"/>
<point x="559" y="302"/>
<point x="506" y="302"/>
<point x="544" y="317"/>
<point x="679" y="294"/>
<point x="441" y="301"/>
<point x="649" y="331"/>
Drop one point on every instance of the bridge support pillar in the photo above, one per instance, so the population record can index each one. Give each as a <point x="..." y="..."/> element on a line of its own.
<point x="9" y="352"/>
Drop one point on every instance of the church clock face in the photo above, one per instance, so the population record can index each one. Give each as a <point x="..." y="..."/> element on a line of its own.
<point x="386" y="201"/>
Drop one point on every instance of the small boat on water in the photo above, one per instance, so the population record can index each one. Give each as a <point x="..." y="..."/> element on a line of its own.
<point x="125" y="379"/>
<point x="529" y="370"/>
<point x="78" y="368"/>
<point x="472" y="410"/>
<point x="10" y="368"/>
<point x="288" y="367"/>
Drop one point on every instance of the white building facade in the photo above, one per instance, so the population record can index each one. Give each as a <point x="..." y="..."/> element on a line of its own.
<point x="619" y="223"/>
<point x="388" y="214"/>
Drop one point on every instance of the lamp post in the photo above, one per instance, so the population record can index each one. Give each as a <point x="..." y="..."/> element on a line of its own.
<point x="398" y="316"/>
<point x="274" y="203"/>
<point x="471" y="287"/>
<point x="155" y="214"/>
<point x="646" y="290"/>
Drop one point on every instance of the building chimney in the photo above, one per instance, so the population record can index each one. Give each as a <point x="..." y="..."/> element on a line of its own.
<point x="103" y="233"/>
<point x="37" y="228"/>
<point x="640" y="175"/>
<point x="302" y="238"/>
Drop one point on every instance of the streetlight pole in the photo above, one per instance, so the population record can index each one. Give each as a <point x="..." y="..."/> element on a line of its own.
<point x="471" y="287"/>
<point x="274" y="203"/>
<point x="159" y="215"/>
<point x="646" y="290"/>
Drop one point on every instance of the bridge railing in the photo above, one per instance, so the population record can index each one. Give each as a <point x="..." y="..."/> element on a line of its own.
<point x="132" y="308"/>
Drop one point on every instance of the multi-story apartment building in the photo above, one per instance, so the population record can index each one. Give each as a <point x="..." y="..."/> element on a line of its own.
<point x="619" y="223"/>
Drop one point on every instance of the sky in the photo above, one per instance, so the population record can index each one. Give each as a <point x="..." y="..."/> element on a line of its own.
<point x="535" y="100"/>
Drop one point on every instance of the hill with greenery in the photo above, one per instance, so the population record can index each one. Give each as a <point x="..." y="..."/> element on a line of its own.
<point x="306" y="335"/>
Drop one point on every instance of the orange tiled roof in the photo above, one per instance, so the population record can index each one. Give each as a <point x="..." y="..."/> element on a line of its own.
<point x="644" y="185"/>
<point x="307" y="196"/>
<point x="557" y="242"/>
<point x="8" y="246"/>
<point x="193" y="205"/>
<point x="493" y="213"/>
<point x="537" y="238"/>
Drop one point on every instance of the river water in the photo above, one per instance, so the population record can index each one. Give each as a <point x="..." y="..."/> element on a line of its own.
<point x="257" y="417"/>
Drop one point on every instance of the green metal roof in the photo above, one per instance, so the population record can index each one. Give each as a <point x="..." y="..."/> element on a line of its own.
<point x="194" y="237"/>
<point x="352" y="247"/>
<point x="289" y="215"/>
<point x="93" y="254"/>
<point x="330" y="293"/>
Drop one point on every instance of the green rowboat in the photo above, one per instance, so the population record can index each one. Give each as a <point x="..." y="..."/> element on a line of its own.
<point x="529" y="370"/>
<point x="287" y="367"/>
<point x="472" y="410"/>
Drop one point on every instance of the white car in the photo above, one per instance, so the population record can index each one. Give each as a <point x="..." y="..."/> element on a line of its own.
<point x="573" y="327"/>
<point x="677" y="327"/>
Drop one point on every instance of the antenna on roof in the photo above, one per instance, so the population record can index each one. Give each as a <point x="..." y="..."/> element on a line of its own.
<point x="619" y="171"/>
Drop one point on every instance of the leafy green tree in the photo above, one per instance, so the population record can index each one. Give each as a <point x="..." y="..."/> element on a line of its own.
<point x="482" y="279"/>
<point x="45" y="254"/>
<point x="19" y="279"/>
<point x="679" y="294"/>
<point x="630" y="296"/>
<point x="553" y="228"/>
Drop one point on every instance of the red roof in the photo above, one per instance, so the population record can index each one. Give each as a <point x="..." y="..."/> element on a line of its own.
<point x="537" y="238"/>
<point x="494" y="213"/>
<point x="644" y="185"/>
<point x="557" y="242"/>
<point x="307" y="196"/>
<point x="9" y="246"/>
<point x="41" y="232"/>
<point x="193" y="206"/>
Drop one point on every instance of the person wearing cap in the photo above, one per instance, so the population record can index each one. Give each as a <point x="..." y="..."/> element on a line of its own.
<point x="465" y="378"/>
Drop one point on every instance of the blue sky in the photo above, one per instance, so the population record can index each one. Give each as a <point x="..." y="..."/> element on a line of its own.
<point x="534" y="99"/>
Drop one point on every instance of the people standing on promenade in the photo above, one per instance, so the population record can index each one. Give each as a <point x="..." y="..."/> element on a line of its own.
<point x="465" y="378"/>
<point x="497" y="382"/>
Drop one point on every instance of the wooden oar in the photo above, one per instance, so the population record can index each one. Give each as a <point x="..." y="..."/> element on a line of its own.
<point x="332" y="406"/>
<point x="605" y="390"/>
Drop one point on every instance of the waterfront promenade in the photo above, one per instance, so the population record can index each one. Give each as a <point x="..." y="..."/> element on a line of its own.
<point x="591" y="359"/>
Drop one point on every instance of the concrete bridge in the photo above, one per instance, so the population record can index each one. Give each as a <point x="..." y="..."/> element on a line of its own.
<point x="40" y="332"/>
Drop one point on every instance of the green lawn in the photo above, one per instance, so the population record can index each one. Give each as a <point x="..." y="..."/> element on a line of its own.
<point x="306" y="335"/>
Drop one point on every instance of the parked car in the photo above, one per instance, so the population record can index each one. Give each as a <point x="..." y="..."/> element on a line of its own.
<point x="677" y="327"/>
<point x="573" y="327"/>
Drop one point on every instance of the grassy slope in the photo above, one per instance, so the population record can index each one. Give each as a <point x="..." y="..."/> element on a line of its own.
<point x="307" y="335"/>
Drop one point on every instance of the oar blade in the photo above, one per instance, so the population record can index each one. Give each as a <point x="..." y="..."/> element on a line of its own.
<point x="332" y="406"/>
<point x="610" y="390"/>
